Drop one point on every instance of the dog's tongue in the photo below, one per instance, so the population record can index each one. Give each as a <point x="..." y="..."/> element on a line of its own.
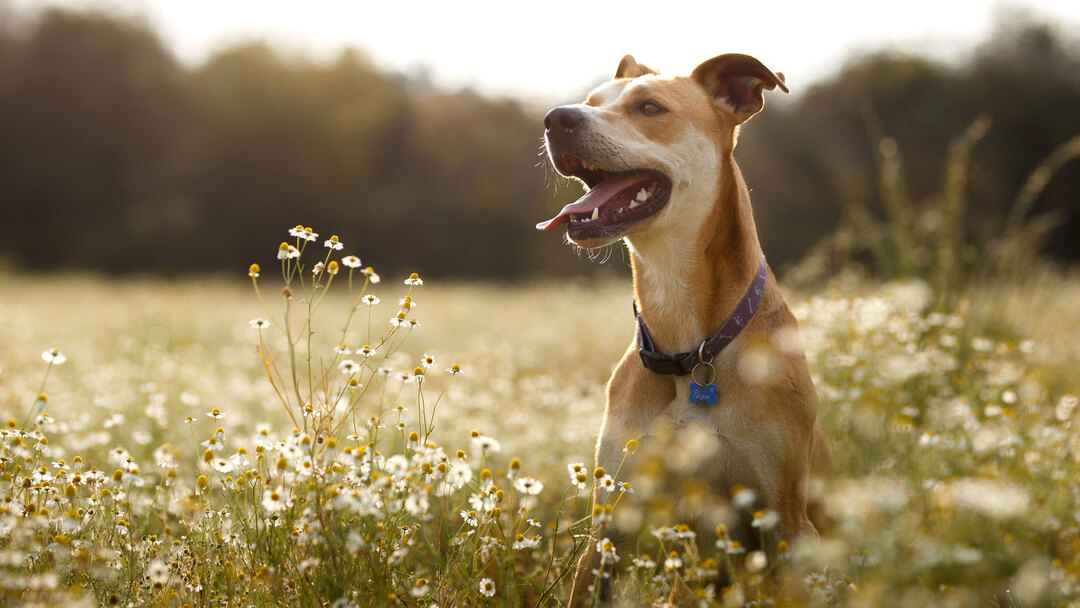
<point x="600" y="194"/>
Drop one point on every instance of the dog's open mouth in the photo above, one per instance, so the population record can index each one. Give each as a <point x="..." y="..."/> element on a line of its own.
<point x="614" y="200"/>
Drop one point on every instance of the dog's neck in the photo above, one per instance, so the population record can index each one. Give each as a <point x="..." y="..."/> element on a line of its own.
<point x="688" y="285"/>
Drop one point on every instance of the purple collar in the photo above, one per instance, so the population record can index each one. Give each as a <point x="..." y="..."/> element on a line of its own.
<point x="682" y="363"/>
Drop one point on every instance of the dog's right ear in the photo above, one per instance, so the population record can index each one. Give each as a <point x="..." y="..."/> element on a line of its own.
<point x="630" y="68"/>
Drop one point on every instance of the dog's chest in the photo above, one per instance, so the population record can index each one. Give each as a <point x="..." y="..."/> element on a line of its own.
<point x="681" y="412"/>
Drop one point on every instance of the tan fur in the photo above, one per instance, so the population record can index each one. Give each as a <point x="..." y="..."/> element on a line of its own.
<point x="692" y="263"/>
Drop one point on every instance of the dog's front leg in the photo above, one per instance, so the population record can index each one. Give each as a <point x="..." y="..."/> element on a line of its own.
<point x="632" y="396"/>
<point x="791" y="501"/>
<point x="584" y="577"/>
<point x="589" y="564"/>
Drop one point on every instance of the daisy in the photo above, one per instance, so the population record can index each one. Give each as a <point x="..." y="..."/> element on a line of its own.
<point x="683" y="532"/>
<point x="53" y="356"/>
<point x="607" y="483"/>
<point x="350" y="261"/>
<point x="766" y="520"/>
<point x="333" y="243"/>
<point x="459" y="475"/>
<point x="578" y="475"/>
<point x="469" y="517"/>
<point x="157" y="572"/>
<point x="301" y="232"/>
<point x="673" y="562"/>
<point x="482" y="502"/>
<point x="743" y="497"/>
<point x="414" y="280"/>
<point x="483" y="443"/>
<point x="487" y="587"/>
<point x="259" y="323"/>
<point x="729" y="546"/>
<point x="287" y="252"/>
<point x="416" y="504"/>
<point x="526" y="543"/>
<point x="421" y="588"/>
<point x="607" y="551"/>
<point x="240" y="459"/>
<point x="528" y="485"/>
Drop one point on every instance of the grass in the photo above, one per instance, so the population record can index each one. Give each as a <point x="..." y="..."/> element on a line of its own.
<point x="954" y="434"/>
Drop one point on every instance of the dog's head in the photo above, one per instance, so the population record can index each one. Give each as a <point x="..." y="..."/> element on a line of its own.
<point x="649" y="148"/>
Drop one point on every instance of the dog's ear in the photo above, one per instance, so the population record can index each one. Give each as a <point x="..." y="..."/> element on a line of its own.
<point x="736" y="82"/>
<point x="630" y="68"/>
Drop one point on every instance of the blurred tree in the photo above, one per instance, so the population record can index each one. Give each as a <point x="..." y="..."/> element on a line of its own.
<point x="815" y="160"/>
<point x="280" y="144"/>
<point x="1027" y="78"/>
<point x="92" y="107"/>
<point x="114" y="157"/>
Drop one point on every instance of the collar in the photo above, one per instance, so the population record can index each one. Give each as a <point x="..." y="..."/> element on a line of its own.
<point x="682" y="363"/>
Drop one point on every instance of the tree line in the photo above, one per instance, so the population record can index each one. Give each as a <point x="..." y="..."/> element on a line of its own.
<point x="115" y="157"/>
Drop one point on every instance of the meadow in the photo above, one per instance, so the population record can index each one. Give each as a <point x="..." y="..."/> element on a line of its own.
<point x="414" y="443"/>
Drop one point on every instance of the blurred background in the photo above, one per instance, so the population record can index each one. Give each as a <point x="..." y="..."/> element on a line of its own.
<point x="176" y="137"/>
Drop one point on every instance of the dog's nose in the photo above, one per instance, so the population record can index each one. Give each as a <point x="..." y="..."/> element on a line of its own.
<point x="564" y="118"/>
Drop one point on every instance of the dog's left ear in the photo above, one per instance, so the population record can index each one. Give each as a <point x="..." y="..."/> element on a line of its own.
<point x="736" y="82"/>
<point x="630" y="68"/>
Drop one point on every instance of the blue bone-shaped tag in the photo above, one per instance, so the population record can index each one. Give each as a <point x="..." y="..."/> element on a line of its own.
<point x="702" y="394"/>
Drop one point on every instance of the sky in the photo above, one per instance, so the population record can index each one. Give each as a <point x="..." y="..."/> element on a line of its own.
<point x="555" y="50"/>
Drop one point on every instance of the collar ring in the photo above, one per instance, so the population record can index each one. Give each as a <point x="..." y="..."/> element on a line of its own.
<point x="707" y="365"/>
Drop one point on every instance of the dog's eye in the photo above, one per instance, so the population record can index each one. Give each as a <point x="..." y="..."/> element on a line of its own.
<point x="651" y="108"/>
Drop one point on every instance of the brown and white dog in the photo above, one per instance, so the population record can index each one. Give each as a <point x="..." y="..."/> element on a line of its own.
<point x="655" y="154"/>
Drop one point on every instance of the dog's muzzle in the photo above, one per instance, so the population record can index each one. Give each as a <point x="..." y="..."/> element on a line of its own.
<point x="561" y="123"/>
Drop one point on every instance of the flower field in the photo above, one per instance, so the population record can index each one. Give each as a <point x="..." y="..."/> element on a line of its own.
<point x="323" y="439"/>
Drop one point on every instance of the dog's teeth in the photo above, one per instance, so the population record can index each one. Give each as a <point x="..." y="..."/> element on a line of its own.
<point x="596" y="213"/>
<point x="633" y="204"/>
<point x="642" y="196"/>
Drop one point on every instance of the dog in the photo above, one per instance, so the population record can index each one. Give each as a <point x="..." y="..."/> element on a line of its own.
<point x="716" y="345"/>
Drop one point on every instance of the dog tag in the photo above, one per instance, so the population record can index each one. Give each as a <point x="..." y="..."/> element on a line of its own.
<point x="703" y="391"/>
